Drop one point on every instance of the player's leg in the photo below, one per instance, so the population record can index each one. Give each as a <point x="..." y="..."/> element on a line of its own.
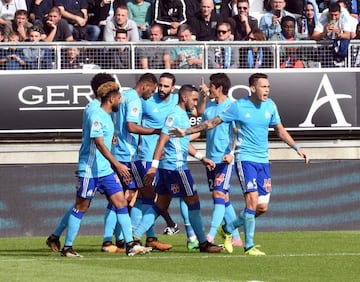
<point x="192" y="241"/>
<point x="84" y="194"/>
<point x="186" y="190"/>
<point x="219" y="185"/>
<point x="111" y="186"/>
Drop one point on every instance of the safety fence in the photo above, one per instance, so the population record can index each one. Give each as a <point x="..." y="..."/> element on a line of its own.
<point x="176" y="55"/>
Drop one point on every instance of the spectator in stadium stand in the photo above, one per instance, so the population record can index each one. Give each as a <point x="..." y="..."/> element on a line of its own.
<point x="256" y="57"/>
<point x="186" y="57"/>
<point x="121" y="20"/>
<point x="353" y="21"/>
<point x="204" y="23"/>
<point x="76" y="13"/>
<point x="21" y="25"/>
<point x="55" y="27"/>
<point x="270" y="21"/>
<point x="242" y="24"/>
<point x="37" y="58"/>
<point x="140" y="12"/>
<point x="306" y="24"/>
<point x="290" y="57"/>
<point x="154" y="57"/>
<point x="72" y="59"/>
<point x="119" y="58"/>
<point x="334" y="25"/>
<point x="7" y="12"/>
<point x="225" y="56"/>
<point x="11" y="58"/>
<point x="228" y="9"/>
<point x="170" y="14"/>
<point x="192" y="7"/>
<point x="39" y="9"/>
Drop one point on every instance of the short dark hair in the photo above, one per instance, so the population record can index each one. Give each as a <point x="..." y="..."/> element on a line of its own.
<point x="186" y="88"/>
<point x="148" y="77"/>
<point x="334" y="7"/>
<point x="221" y="79"/>
<point x="287" y="19"/>
<point x="255" y="77"/>
<point x="100" y="79"/>
<point x="170" y="76"/>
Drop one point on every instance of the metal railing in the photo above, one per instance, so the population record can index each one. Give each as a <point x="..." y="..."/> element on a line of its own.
<point x="113" y="55"/>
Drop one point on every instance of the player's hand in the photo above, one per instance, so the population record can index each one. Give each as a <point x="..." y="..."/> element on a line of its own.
<point x="149" y="177"/>
<point x="176" y="132"/>
<point x="208" y="163"/>
<point x="228" y="158"/>
<point x="204" y="90"/>
<point x="123" y="171"/>
<point x="302" y="154"/>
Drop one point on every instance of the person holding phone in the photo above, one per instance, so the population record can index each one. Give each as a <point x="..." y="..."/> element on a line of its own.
<point x="270" y="21"/>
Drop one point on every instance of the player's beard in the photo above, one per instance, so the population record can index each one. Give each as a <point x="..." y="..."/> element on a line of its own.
<point x="163" y="95"/>
<point x="115" y="108"/>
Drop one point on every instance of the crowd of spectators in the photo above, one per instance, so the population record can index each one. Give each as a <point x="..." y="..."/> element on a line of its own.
<point x="159" y="20"/>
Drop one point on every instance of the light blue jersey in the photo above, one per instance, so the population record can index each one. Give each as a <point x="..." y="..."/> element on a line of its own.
<point x="155" y="112"/>
<point x="92" y="163"/>
<point x="219" y="140"/>
<point x="252" y="122"/>
<point x="176" y="149"/>
<point x="130" y="110"/>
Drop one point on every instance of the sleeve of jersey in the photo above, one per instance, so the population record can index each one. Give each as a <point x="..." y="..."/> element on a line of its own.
<point x="169" y="123"/>
<point x="229" y="113"/>
<point x="133" y="110"/>
<point x="96" y="127"/>
<point x="275" y="117"/>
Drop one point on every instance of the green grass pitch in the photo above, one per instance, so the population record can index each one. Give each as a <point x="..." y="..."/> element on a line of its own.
<point x="291" y="256"/>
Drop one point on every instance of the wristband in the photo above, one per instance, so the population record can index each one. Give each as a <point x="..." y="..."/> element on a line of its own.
<point x="232" y="152"/>
<point x="155" y="163"/>
<point x="295" y="147"/>
<point x="198" y="156"/>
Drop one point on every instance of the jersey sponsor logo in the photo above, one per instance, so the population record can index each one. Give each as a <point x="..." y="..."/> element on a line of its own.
<point x="169" y="121"/>
<point x="175" y="188"/>
<point x="219" y="178"/>
<point x="114" y="140"/>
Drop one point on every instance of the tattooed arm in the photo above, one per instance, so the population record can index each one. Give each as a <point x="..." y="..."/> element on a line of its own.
<point x="204" y="126"/>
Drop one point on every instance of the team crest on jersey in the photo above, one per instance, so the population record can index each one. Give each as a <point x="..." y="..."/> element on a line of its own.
<point x="175" y="188"/>
<point x="134" y="112"/>
<point x="219" y="178"/>
<point x="169" y="121"/>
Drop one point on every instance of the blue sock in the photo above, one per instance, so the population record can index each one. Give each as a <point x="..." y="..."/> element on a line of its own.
<point x="110" y="221"/>
<point x="147" y="204"/>
<point x="73" y="226"/>
<point x="190" y="233"/>
<point x="249" y="227"/>
<point x="217" y="216"/>
<point x="147" y="221"/>
<point x="63" y="222"/>
<point x="230" y="216"/>
<point x="136" y="213"/>
<point x="124" y="220"/>
<point x="196" y="222"/>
